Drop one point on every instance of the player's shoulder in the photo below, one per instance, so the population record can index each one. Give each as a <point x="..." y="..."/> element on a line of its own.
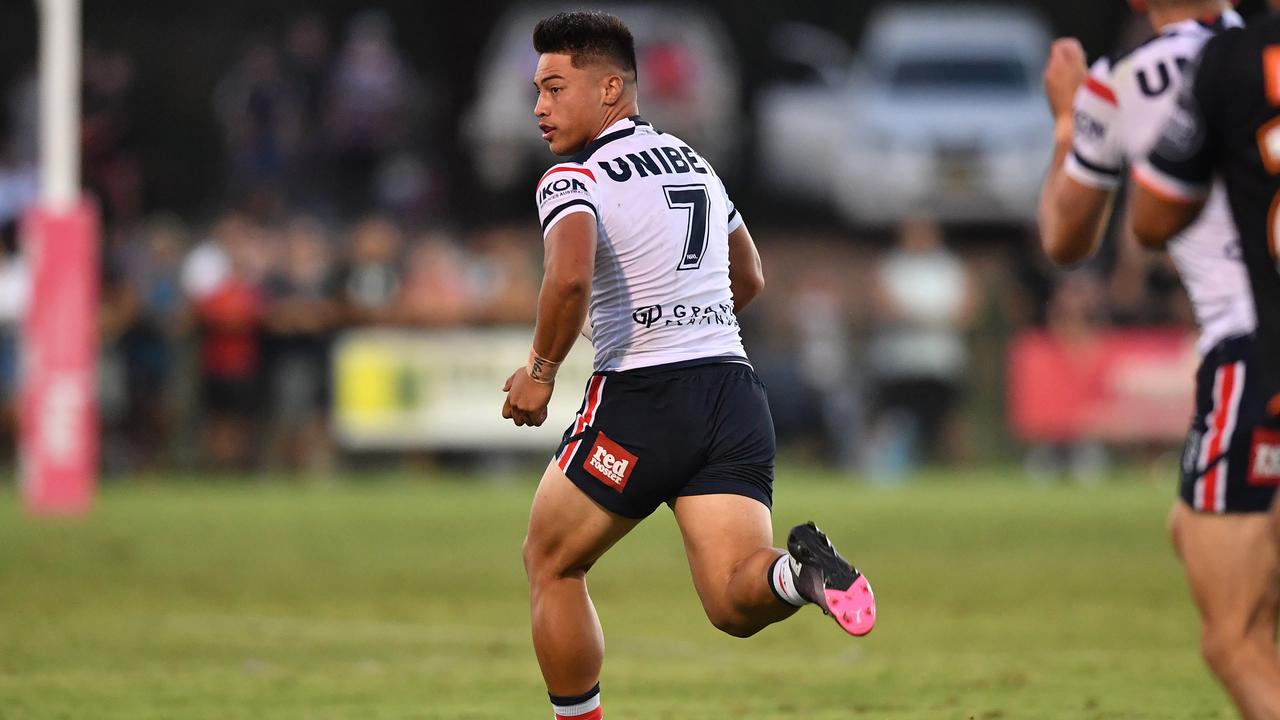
<point x="1178" y="46"/>
<point x="1245" y="39"/>
<point x="1230" y="62"/>
<point x="1111" y="75"/>
<point x="563" y="173"/>
<point x="1181" y="42"/>
<point x="564" y="185"/>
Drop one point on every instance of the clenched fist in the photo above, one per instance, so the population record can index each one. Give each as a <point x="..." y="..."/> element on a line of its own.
<point x="527" y="400"/>
<point x="1063" y="75"/>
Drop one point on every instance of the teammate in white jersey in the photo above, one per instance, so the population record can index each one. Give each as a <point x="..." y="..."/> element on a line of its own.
<point x="1108" y="119"/>
<point x="638" y="226"/>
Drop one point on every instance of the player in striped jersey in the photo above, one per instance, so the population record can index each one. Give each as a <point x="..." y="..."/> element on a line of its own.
<point x="639" y="231"/>
<point x="1219" y="527"/>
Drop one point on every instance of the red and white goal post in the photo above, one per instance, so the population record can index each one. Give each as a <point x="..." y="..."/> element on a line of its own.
<point x="58" y="433"/>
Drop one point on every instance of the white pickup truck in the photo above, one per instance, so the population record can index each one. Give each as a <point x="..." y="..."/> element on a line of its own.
<point x="942" y="114"/>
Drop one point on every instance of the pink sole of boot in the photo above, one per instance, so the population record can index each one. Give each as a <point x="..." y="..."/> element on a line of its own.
<point x="854" y="609"/>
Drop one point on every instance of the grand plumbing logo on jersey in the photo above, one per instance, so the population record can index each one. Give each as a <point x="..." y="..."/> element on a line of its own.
<point x="680" y="314"/>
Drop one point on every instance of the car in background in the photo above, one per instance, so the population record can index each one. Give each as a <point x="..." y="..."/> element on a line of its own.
<point x="690" y="86"/>
<point x="941" y="115"/>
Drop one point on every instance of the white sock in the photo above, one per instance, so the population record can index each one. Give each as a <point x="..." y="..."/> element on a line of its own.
<point x="580" y="707"/>
<point x="782" y="580"/>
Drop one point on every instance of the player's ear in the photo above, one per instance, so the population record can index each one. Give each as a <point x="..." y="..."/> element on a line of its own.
<point x="614" y="87"/>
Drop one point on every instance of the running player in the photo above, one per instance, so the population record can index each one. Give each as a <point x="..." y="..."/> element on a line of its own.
<point x="638" y="228"/>
<point x="1220" y="525"/>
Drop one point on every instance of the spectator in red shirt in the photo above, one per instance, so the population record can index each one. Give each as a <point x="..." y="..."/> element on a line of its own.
<point x="230" y="311"/>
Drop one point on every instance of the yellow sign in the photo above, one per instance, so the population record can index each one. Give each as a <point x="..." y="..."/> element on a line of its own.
<point x="396" y="389"/>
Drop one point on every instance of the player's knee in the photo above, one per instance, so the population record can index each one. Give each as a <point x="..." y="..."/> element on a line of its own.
<point x="736" y="627"/>
<point x="545" y="562"/>
<point x="1222" y="650"/>
<point x="733" y="623"/>
<point x="538" y="559"/>
<point x="529" y="554"/>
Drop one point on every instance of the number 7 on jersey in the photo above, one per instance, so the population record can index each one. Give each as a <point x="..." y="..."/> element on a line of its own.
<point x="697" y="203"/>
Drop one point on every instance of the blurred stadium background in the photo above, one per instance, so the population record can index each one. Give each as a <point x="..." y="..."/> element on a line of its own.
<point x="319" y="260"/>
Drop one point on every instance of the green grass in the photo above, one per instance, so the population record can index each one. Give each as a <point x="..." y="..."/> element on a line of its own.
<point x="396" y="599"/>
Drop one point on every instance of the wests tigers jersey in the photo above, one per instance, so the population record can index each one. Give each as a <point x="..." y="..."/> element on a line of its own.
<point x="1227" y="125"/>
<point x="660" y="291"/>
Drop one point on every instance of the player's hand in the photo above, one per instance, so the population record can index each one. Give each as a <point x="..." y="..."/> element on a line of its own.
<point x="526" y="400"/>
<point x="1063" y="76"/>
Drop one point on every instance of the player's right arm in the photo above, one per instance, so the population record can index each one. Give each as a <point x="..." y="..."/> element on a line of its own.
<point x="568" y="264"/>
<point x="567" y="208"/>
<point x="1076" y="198"/>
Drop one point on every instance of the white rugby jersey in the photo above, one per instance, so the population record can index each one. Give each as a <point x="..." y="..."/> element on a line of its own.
<point x="1119" y="114"/>
<point x="660" y="293"/>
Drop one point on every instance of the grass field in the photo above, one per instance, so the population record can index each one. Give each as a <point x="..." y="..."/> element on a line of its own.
<point x="396" y="599"/>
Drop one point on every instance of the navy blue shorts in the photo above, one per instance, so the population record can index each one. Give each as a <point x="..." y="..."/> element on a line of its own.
<point x="1231" y="463"/>
<point x="648" y="436"/>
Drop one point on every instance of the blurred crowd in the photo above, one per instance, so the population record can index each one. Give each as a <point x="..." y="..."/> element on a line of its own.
<point x="216" y="334"/>
<point x="333" y="130"/>
<point x="883" y="355"/>
<point x="250" y="310"/>
<point x="217" y="331"/>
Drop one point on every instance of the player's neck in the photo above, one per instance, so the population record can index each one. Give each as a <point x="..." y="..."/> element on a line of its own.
<point x="1162" y="18"/>
<point x="621" y="111"/>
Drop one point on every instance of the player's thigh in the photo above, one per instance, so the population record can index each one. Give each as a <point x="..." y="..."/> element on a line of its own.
<point x="720" y="532"/>
<point x="568" y="532"/>
<point x="1233" y="567"/>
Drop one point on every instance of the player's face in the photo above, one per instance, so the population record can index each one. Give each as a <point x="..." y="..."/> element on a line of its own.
<point x="570" y="103"/>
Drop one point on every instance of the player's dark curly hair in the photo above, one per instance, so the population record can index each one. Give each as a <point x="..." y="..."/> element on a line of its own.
<point x="587" y="36"/>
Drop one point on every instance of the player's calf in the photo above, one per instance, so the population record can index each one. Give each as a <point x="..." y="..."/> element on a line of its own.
<point x="743" y="608"/>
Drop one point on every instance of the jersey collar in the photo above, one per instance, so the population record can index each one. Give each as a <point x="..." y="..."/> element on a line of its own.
<point x="625" y="123"/>
<point x="1215" y="23"/>
<point x="623" y="128"/>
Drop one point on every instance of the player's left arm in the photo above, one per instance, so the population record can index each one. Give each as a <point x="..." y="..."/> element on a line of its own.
<point x="746" y="273"/>
<point x="1072" y="218"/>
<point x="562" y="309"/>
<point x="1077" y="195"/>
<point x="1172" y="184"/>
<point x="1158" y="216"/>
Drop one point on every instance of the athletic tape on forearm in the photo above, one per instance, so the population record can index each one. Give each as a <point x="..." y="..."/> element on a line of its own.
<point x="542" y="370"/>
